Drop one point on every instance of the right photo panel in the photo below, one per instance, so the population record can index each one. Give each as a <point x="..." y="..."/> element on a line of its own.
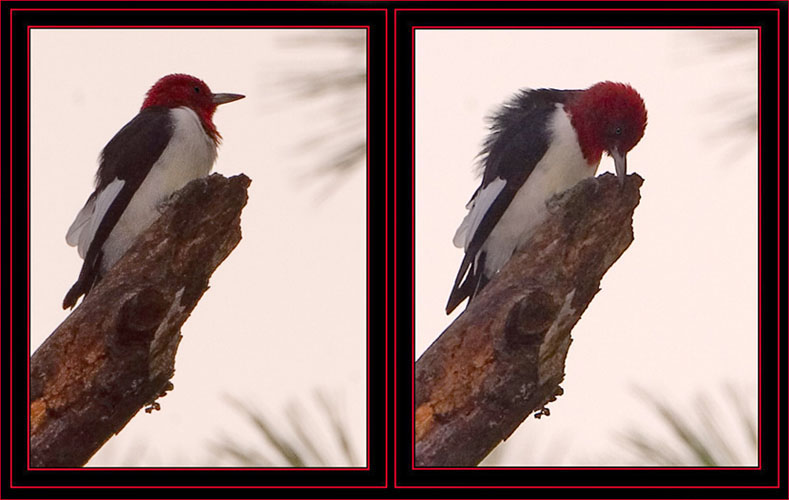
<point x="586" y="245"/>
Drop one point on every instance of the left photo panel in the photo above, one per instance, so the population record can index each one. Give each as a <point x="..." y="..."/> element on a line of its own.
<point x="198" y="246"/>
<point x="134" y="116"/>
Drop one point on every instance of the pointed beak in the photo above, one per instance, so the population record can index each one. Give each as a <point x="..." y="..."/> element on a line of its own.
<point x="620" y="164"/>
<point x="225" y="98"/>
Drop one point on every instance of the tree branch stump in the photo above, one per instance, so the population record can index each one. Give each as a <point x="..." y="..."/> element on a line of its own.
<point x="503" y="358"/>
<point x="116" y="352"/>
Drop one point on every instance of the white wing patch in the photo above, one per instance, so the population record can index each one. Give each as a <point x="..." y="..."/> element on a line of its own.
<point x="83" y="217"/>
<point x="477" y="207"/>
<point x="84" y="227"/>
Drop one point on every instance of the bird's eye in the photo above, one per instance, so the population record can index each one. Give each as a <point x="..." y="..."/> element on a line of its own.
<point x="618" y="131"/>
<point x="197" y="90"/>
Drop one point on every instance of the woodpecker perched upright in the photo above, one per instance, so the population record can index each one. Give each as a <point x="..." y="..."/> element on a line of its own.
<point x="542" y="142"/>
<point x="170" y="142"/>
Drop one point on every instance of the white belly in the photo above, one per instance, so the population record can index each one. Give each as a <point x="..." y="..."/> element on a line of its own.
<point x="561" y="168"/>
<point x="189" y="155"/>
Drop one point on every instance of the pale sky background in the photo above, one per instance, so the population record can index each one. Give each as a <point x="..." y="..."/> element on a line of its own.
<point x="678" y="313"/>
<point x="286" y="312"/>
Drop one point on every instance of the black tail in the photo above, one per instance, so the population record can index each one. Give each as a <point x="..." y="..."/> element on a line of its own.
<point x="88" y="276"/>
<point x="470" y="287"/>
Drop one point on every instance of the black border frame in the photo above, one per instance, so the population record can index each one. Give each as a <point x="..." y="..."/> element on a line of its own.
<point x="611" y="482"/>
<point x="393" y="475"/>
<point x="234" y="482"/>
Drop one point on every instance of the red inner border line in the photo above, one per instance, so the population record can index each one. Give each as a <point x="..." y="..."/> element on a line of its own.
<point x="368" y="423"/>
<point x="413" y="249"/>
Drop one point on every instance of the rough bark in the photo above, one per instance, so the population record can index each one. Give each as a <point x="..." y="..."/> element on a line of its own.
<point x="503" y="358"/>
<point x="116" y="352"/>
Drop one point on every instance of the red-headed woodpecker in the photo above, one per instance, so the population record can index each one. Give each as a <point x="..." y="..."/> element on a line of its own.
<point x="542" y="142"/>
<point x="170" y="142"/>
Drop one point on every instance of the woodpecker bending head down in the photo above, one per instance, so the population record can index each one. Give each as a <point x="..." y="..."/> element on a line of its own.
<point x="608" y="117"/>
<point x="170" y="142"/>
<point x="542" y="142"/>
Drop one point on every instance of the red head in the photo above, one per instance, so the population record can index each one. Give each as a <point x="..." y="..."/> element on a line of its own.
<point x="173" y="91"/>
<point x="608" y="117"/>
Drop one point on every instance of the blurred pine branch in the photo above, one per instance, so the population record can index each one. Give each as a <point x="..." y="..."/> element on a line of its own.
<point x="697" y="436"/>
<point x="300" y="444"/>
<point x="735" y="103"/>
<point x="344" y="136"/>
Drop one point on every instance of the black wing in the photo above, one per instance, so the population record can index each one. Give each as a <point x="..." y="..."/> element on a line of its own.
<point x="129" y="157"/>
<point x="518" y="140"/>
